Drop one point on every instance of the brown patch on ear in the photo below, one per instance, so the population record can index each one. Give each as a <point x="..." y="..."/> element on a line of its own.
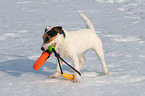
<point x="59" y="30"/>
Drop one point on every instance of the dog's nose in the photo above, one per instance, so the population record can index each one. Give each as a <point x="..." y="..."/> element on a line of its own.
<point x="42" y="48"/>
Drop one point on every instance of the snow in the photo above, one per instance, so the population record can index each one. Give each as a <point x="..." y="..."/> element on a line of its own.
<point x="119" y="23"/>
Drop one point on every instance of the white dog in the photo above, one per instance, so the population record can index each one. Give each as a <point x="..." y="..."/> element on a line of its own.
<point x="73" y="45"/>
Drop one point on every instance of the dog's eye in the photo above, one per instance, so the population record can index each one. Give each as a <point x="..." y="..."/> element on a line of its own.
<point x="47" y="39"/>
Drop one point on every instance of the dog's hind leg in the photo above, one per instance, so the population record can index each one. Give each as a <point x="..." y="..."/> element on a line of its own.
<point x="99" y="51"/>
<point x="101" y="57"/>
<point x="82" y="60"/>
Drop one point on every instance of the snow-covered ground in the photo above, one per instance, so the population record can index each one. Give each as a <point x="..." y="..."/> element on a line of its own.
<point x="119" y="23"/>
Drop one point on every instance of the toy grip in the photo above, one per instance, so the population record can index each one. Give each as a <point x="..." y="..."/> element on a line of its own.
<point x="40" y="61"/>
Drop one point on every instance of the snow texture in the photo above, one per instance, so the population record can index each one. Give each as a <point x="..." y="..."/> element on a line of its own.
<point x="119" y="23"/>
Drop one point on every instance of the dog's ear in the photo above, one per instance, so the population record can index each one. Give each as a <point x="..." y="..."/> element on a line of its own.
<point x="47" y="28"/>
<point x="58" y="29"/>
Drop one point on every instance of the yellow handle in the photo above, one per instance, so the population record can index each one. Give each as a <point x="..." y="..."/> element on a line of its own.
<point x="67" y="76"/>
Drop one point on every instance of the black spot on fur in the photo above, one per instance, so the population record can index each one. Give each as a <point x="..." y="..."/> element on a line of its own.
<point x="52" y="32"/>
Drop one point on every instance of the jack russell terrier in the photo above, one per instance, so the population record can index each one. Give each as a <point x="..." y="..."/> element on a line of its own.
<point x="73" y="45"/>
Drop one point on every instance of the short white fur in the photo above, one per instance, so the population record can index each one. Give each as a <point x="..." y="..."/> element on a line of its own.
<point x="75" y="44"/>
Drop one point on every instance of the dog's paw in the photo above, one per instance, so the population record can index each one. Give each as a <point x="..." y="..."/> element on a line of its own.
<point x="56" y="75"/>
<point x="106" y="73"/>
<point x="77" y="79"/>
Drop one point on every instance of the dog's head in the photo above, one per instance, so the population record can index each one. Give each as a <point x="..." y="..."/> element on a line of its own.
<point x="51" y="36"/>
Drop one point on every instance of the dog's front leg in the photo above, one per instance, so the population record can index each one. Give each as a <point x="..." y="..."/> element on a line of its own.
<point x="57" y="73"/>
<point x="77" y="77"/>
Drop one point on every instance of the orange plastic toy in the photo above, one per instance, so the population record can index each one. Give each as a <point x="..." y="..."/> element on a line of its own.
<point x="40" y="61"/>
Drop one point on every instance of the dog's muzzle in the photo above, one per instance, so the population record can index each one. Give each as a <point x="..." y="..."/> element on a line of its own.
<point x="44" y="48"/>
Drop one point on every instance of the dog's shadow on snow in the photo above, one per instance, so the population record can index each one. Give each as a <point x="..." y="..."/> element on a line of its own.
<point x="22" y="65"/>
<point x="17" y="67"/>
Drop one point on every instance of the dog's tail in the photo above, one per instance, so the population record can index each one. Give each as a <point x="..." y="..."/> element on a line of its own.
<point x="87" y="21"/>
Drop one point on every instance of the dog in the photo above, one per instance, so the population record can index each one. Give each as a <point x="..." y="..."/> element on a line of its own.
<point x="73" y="45"/>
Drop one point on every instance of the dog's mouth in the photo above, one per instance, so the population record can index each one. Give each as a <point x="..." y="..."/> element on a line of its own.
<point x="45" y="46"/>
